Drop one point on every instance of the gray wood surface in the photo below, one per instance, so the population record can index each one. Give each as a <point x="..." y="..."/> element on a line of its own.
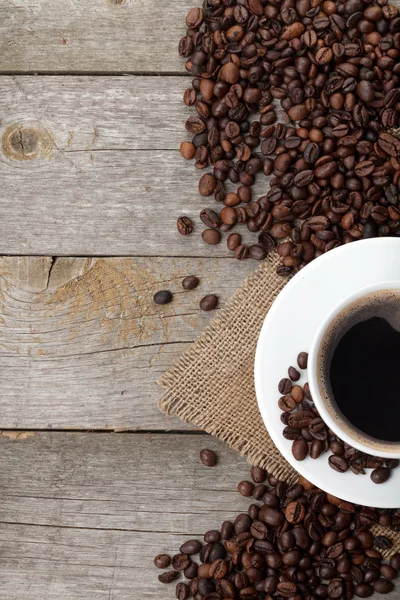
<point x="91" y="166"/>
<point x="92" y="35"/>
<point x="83" y="515"/>
<point x="82" y="342"/>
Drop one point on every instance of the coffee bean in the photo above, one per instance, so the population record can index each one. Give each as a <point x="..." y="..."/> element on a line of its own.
<point x="209" y="302"/>
<point x="271" y="516"/>
<point x="212" y="536"/>
<point x="182" y="591"/>
<point x="295" y="511"/>
<point x="382" y="542"/>
<point x="233" y="241"/>
<point x="210" y="218"/>
<point x="302" y="360"/>
<point x="338" y="463"/>
<point x="190" y="283"/>
<point x="191" y="547"/>
<point x="363" y="590"/>
<point x="191" y="571"/>
<point x="293" y="373"/>
<point x="163" y="297"/>
<point x="258" y="474"/>
<point x="241" y="252"/>
<point x="185" y="225"/>
<point x="257" y="252"/>
<point x="162" y="561"/>
<point x="287" y="403"/>
<point x="382" y="586"/>
<point x="300" y="449"/>
<point x="245" y="488"/>
<point x="208" y="457"/>
<point x="285" y="386"/>
<point x="211" y="236"/>
<point x="168" y="577"/>
<point x="380" y="474"/>
<point x="180" y="562"/>
<point x="388" y="572"/>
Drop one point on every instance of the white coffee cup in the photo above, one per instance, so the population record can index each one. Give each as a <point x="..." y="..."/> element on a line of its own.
<point x="321" y="394"/>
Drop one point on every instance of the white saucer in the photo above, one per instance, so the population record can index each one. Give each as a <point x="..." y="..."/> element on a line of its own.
<point x="290" y="327"/>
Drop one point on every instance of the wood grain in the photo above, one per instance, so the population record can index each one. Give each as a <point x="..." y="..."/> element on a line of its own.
<point x="92" y="35"/>
<point x="82" y="342"/>
<point x="83" y="515"/>
<point x="91" y="166"/>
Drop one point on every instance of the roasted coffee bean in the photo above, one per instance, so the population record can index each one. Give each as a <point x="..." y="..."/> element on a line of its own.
<point x="163" y="297"/>
<point x="211" y="236"/>
<point x="258" y="474"/>
<point x="212" y="536"/>
<point x="246" y="488"/>
<point x="295" y="512"/>
<point x="191" y="571"/>
<point x="293" y="373"/>
<point x="182" y="591"/>
<point x="363" y="590"/>
<point x="302" y="360"/>
<point x="388" y="572"/>
<point x="209" y="302"/>
<point x="380" y="474"/>
<point x="191" y="547"/>
<point x="185" y="225"/>
<point x="168" y="577"/>
<point x="382" y="586"/>
<point x="338" y="463"/>
<point x="180" y="562"/>
<point x="190" y="283"/>
<point x="162" y="561"/>
<point x="208" y="457"/>
<point x="285" y="386"/>
<point x="300" y="449"/>
<point x="210" y="218"/>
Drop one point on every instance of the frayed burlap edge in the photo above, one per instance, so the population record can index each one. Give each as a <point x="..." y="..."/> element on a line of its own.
<point x="212" y="384"/>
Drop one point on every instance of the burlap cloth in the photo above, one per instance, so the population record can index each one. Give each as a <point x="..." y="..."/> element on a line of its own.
<point x="212" y="383"/>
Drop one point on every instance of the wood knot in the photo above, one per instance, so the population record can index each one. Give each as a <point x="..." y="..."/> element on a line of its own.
<point x="23" y="142"/>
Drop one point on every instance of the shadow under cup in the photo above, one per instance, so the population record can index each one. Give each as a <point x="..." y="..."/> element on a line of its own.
<point x="380" y="410"/>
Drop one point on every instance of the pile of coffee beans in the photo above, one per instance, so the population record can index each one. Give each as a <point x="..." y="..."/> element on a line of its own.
<point x="327" y="144"/>
<point x="311" y="437"/>
<point x="294" y="542"/>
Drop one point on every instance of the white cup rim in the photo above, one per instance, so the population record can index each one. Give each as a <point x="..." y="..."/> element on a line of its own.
<point x="385" y="449"/>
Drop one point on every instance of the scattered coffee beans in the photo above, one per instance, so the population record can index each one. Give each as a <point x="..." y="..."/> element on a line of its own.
<point x="208" y="457"/>
<point x="311" y="437"/>
<point x="209" y="302"/>
<point x="163" y="297"/>
<point x="295" y="541"/>
<point x="306" y="93"/>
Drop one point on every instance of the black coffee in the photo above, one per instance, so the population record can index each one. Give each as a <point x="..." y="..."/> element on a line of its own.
<point x="361" y="364"/>
<point x="364" y="377"/>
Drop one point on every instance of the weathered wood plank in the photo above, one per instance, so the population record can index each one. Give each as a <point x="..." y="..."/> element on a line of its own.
<point x="99" y="113"/>
<point x="82" y="342"/>
<point x="83" y="515"/>
<point x="92" y="35"/>
<point x="92" y="167"/>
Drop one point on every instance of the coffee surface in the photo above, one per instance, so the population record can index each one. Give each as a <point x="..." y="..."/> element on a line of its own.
<point x="364" y="376"/>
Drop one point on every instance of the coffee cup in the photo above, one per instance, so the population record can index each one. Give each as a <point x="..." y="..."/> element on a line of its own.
<point x="341" y="370"/>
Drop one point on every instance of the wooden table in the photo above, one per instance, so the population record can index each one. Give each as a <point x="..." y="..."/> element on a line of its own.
<point x="94" y="480"/>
